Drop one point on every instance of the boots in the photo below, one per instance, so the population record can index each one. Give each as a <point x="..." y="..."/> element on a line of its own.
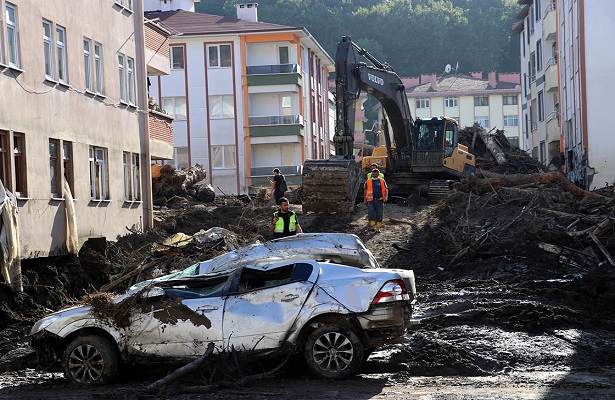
<point x="378" y="226"/>
<point x="372" y="224"/>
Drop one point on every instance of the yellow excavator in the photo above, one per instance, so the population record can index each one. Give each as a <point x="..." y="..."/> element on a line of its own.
<point x="412" y="153"/>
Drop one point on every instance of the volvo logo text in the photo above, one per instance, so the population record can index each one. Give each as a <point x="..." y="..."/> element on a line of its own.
<point x="376" y="79"/>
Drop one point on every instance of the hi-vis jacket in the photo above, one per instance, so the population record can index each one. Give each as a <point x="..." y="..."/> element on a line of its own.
<point x="369" y="189"/>
<point x="279" y="225"/>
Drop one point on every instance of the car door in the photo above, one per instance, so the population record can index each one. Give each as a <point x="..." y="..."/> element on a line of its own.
<point x="265" y="304"/>
<point x="176" y="324"/>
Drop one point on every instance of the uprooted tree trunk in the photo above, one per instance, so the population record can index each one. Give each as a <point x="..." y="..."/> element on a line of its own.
<point x="176" y="183"/>
<point x="493" y="180"/>
<point x="492" y="145"/>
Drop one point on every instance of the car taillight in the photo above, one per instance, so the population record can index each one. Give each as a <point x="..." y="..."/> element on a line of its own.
<point x="391" y="291"/>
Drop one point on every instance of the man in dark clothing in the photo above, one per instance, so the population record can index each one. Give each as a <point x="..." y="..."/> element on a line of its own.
<point x="276" y="185"/>
<point x="284" y="222"/>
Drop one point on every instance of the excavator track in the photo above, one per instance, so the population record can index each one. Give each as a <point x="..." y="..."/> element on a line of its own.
<point x="330" y="185"/>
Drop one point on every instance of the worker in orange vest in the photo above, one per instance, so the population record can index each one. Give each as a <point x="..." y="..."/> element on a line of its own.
<point x="375" y="195"/>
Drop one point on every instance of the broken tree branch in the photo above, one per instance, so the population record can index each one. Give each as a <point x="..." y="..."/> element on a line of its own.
<point x="181" y="372"/>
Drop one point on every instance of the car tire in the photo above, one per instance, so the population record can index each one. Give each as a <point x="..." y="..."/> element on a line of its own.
<point x="91" y="360"/>
<point x="334" y="352"/>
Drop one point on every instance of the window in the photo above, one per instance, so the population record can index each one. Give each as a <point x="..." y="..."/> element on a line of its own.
<point x="124" y="3"/>
<point x="87" y="62"/>
<point x="19" y="155"/>
<point x="221" y="107"/>
<point x="177" y="57"/>
<point x="4" y="159"/>
<point x="537" y="9"/>
<point x="539" y="55"/>
<point x="541" y="106"/>
<point x="422" y="103"/>
<point x="12" y="37"/>
<point x="98" y="173"/>
<point x="219" y="55"/>
<point x="121" y="64"/>
<point x="223" y="156"/>
<point x="483" y="121"/>
<point x="67" y="165"/>
<point x="511" y="120"/>
<point x="510" y="100"/>
<point x="481" y="101"/>
<point x="61" y="52"/>
<point x="131" y="81"/>
<point x="283" y="55"/>
<point x="175" y="106"/>
<point x="55" y="168"/>
<point x="131" y="177"/>
<point x="451" y="102"/>
<point x="98" y="68"/>
<point x="181" y="158"/>
<point x="286" y="105"/>
<point x="48" y="49"/>
<point x="533" y="66"/>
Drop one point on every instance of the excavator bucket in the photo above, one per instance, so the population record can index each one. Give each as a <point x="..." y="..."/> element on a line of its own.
<point x="330" y="185"/>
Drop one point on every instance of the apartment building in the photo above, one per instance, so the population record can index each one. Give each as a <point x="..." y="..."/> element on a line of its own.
<point x="492" y="102"/>
<point x="586" y="78"/>
<point x="565" y="73"/>
<point x="540" y="81"/>
<point x="247" y="96"/>
<point x="74" y="110"/>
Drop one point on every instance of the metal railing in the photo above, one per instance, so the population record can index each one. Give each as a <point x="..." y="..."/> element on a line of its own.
<point x="272" y="69"/>
<point x="549" y="7"/>
<point x="275" y="120"/>
<point x="551" y="61"/>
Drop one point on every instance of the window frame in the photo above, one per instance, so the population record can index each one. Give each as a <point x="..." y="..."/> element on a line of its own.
<point x="121" y="64"/>
<point x="87" y="62"/>
<point x="541" y="105"/>
<point x="99" y="174"/>
<point x="511" y="118"/>
<point x="481" y="101"/>
<point x="221" y="114"/>
<point x="130" y="80"/>
<point x="12" y="36"/>
<point x="173" y="107"/>
<point x="132" y="181"/>
<point x="181" y="66"/>
<point x="48" y="49"/>
<point x="479" y="119"/>
<point x="61" y="53"/>
<point x="506" y="100"/>
<point x="227" y="155"/>
<point x="5" y="172"/>
<point x="20" y="165"/>
<point x="449" y="99"/>
<point x="220" y="63"/>
<point x="55" y="168"/>
<point x="99" y="68"/>
<point x="422" y="102"/>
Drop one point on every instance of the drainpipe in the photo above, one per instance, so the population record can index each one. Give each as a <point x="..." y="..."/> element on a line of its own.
<point x="143" y="112"/>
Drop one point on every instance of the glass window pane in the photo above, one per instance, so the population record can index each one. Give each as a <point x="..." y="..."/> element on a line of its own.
<point x="213" y="56"/>
<point x="225" y="55"/>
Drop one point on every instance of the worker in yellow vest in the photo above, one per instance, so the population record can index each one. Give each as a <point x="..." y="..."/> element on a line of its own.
<point x="284" y="222"/>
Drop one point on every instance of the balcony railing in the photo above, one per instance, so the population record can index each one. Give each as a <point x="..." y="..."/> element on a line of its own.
<point x="275" y="120"/>
<point x="549" y="7"/>
<point x="551" y="61"/>
<point x="272" y="69"/>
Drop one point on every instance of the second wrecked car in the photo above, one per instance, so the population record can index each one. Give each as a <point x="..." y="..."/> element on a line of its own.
<point x="332" y="314"/>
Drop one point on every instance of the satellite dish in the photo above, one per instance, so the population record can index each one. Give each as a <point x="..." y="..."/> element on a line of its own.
<point x="448" y="68"/>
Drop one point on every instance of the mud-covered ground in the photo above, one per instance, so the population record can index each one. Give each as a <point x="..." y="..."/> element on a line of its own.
<point x="505" y="320"/>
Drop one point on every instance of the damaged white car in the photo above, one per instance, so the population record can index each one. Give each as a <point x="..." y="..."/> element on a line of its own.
<point x="333" y="314"/>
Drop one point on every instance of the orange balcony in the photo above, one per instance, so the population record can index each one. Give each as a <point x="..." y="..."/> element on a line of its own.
<point x="160" y="135"/>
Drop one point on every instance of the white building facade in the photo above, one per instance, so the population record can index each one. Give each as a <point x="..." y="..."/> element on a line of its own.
<point x="246" y="96"/>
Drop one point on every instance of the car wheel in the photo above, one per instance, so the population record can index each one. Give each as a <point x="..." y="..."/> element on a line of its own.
<point x="333" y="351"/>
<point x="91" y="360"/>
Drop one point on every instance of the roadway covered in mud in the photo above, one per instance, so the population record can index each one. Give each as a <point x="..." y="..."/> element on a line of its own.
<point x="515" y="299"/>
